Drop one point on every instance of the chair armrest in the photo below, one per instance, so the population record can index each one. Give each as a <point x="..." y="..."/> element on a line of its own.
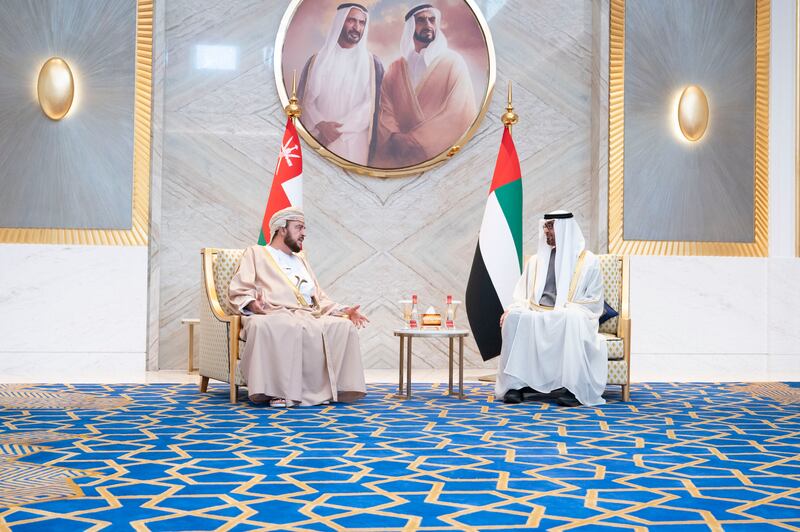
<point x="211" y="288"/>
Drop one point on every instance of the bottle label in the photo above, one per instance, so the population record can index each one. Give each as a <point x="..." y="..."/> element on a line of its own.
<point x="449" y="324"/>
<point x="412" y="324"/>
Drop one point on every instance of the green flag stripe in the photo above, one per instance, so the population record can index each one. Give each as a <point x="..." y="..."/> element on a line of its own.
<point x="509" y="196"/>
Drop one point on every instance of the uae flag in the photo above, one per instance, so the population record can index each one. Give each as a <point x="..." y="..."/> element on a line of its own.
<point x="498" y="257"/>
<point x="287" y="183"/>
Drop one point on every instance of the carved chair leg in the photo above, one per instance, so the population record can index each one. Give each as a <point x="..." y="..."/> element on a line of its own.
<point x="203" y="384"/>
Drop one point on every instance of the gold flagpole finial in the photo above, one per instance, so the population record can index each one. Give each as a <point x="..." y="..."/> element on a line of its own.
<point x="509" y="117"/>
<point x="293" y="110"/>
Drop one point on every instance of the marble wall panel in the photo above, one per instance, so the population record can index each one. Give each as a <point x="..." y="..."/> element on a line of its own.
<point x="599" y="160"/>
<point x="73" y="299"/>
<point x="60" y="367"/>
<point x="784" y="308"/>
<point x="156" y="168"/>
<point x="699" y="305"/>
<point x="371" y="240"/>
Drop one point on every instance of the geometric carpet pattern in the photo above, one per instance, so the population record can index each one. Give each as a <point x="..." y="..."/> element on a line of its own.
<point x="678" y="456"/>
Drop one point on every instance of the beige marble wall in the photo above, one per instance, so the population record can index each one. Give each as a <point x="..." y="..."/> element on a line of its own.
<point x="370" y="240"/>
<point x="156" y="178"/>
<point x="599" y="135"/>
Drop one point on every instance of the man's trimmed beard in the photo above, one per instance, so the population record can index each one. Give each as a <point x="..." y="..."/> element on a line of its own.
<point x="293" y="244"/>
<point x="424" y="39"/>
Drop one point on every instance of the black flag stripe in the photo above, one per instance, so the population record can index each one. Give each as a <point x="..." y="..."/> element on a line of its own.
<point x="483" y="309"/>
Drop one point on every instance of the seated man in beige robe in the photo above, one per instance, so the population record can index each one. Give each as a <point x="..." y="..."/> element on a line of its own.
<point x="427" y="97"/>
<point x="301" y="348"/>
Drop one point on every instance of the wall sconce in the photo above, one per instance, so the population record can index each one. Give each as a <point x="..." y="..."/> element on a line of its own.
<point x="55" y="88"/>
<point x="693" y="113"/>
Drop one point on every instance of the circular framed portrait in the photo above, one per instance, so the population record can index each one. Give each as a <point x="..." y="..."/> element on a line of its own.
<point x="386" y="87"/>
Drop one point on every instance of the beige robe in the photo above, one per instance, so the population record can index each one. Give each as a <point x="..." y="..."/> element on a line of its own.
<point x="294" y="351"/>
<point x="434" y="115"/>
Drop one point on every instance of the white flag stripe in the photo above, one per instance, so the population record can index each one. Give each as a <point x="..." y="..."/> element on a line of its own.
<point x="498" y="251"/>
<point x="294" y="190"/>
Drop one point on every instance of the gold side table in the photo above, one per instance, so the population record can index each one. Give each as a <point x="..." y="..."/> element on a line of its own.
<point x="191" y="322"/>
<point x="407" y="335"/>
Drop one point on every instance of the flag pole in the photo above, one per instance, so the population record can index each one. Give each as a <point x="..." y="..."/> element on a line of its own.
<point x="293" y="110"/>
<point x="509" y="118"/>
<point x="288" y="172"/>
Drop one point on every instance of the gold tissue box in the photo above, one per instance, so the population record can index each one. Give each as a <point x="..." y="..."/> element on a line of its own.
<point x="432" y="320"/>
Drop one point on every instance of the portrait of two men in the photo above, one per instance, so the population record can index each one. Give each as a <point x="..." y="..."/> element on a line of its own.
<point x="386" y="83"/>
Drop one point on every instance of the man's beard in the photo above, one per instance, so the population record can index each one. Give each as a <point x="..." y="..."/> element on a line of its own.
<point x="352" y="36"/>
<point x="424" y="38"/>
<point x="293" y="244"/>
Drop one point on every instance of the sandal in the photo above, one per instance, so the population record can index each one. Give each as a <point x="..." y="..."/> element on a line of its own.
<point x="277" y="402"/>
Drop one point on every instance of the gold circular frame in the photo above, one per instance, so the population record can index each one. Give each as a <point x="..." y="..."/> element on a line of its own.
<point x="384" y="172"/>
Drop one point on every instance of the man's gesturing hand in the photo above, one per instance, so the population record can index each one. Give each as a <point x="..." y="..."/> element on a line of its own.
<point x="352" y="313"/>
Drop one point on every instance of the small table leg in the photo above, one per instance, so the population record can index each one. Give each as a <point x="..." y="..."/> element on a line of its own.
<point x="402" y="349"/>
<point x="190" y="364"/>
<point x="460" y="367"/>
<point x="408" y="370"/>
<point x="450" y="378"/>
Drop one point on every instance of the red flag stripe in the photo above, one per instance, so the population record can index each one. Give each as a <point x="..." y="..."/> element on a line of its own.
<point x="507" y="167"/>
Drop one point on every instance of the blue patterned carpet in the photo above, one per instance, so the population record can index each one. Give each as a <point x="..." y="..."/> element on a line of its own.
<point x="164" y="457"/>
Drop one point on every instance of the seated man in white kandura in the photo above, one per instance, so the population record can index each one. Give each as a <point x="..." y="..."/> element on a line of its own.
<point x="550" y="331"/>
<point x="301" y="347"/>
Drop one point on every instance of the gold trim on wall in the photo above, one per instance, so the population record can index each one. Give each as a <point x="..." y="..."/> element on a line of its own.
<point x="368" y="170"/>
<point x="616" y="151"/>
<point x="137" y="234"/>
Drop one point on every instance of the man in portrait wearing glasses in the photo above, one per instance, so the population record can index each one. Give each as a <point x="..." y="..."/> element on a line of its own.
<point x="301" y="348"/>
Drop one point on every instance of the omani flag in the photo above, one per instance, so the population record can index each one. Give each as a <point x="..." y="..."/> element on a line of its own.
<point x="287" y="183"/>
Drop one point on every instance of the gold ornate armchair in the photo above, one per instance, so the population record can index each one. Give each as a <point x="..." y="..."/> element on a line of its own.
<point x="617" y="330"/>
<point x="219" y="323"/>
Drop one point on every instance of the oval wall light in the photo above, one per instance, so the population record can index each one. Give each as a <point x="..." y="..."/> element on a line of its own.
<point x="55" y="88"/>
<point x="693" y="113"/>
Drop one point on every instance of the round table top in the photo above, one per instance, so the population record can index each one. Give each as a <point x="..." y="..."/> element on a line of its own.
<point x="440" y="333"/>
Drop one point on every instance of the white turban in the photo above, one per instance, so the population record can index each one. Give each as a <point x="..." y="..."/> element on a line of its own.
<point x="569" y="245"/>
<point x="426" y="57"/>
<point x="340" y="77"/>
<point x="283" y="216"/>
